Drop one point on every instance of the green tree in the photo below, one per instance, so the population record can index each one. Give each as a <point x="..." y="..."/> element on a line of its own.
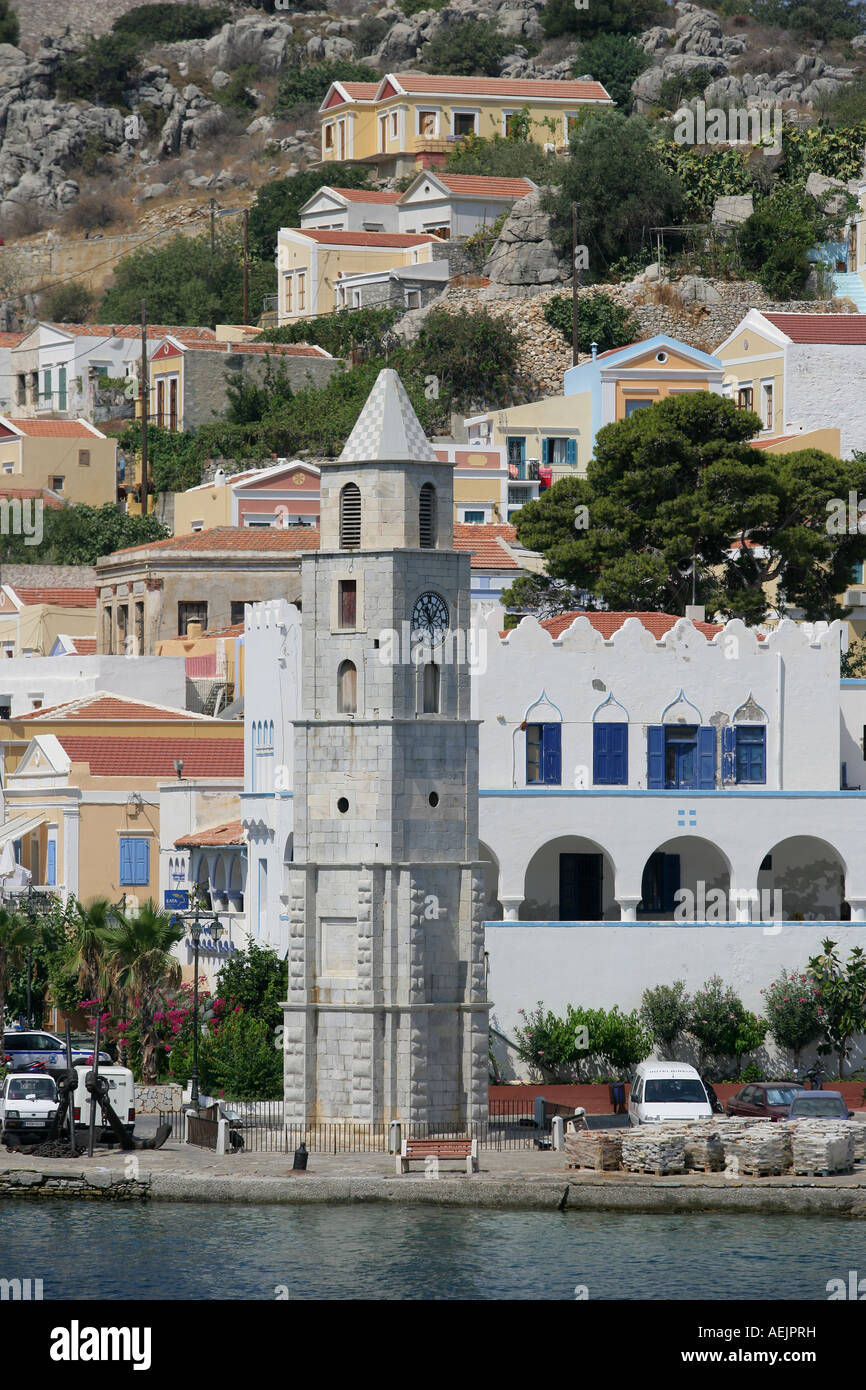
<point x="614" y="207"/>
<point x="614" y="60"/>
<point x="9" y="27"/>
<point x="86" y="961"/>
<point x="706" y="174"/>
<point x="69" y="303"/>
<point x="665" y="1012"/>
<point x="278" y="204"/>
<point x="16" y="934"/>
<point x="599" y="320"/>
<point x="721" y="1024"/>
<point x="852" y="663"/>
<point x="680" y="480"/>
<point x="249" y="400"/>
<point x="101" y="72"/>
<point x="175" y="458"/>
<point x="306" y="84"/>
<point x="184" y="282"/>
<point x="368" y="33"/>
<point x="555" y="1047"/>
<point x="683" y="86"/>
<point x="137" y="952"/>
<point x="624" y="1041"/>
<point x="601" y="17"/>
<point x="467" y="48"/>
<point x="239" y="1057"/>
<point x="501" y="156"/>
<point x="841" y="996"/>
<point x="791" y="1011"/>
<point x="80" y="535"/>
<point x="473" y="356"/>
<point x="774" y="241"/>
<point x="171" y="23"/>
<point x="819" y="19"/>
<point x="339" y="333"/>
<point x="257" y="981"/>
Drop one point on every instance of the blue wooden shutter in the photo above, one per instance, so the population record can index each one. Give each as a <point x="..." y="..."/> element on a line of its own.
<point x="729" y="754"/>
<point x="545" y="451"/>
<point x="670" y="880"/>
<point x="141" y="860"/>
<point x="761" y="770"/>
<point x="619" y="754"/>
<point x="51" y="867"/>
<point x="571" y="451"/>
<point x="706" y="758"/>
<point x="125" y="861"/>
<point x="655" y="756"/>
<point x="600" y="753"/>
<point x="552" y="753"/>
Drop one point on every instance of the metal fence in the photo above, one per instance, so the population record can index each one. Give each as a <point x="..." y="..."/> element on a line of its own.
<point x="259" y="1127"/>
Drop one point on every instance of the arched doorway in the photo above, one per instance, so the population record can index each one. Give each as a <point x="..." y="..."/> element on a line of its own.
<point x="686" y="879"/>
<point x="808" y="877"/>
<point x="570" y="879"/>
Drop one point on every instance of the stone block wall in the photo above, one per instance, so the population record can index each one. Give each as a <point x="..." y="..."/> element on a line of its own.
<point x="150" y="1100"/>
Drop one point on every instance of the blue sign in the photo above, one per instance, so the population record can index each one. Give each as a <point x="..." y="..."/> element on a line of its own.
<point x="177" y="898"/>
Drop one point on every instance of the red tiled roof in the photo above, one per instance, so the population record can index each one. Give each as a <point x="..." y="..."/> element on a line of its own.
<point x="839" y="329"/>
<point x="609" y="623"/>
<point x="49" y="499"/>
<point x="487" y="545"/>
<point x="84" y="646"/>
<point x="240" y="538"/>
<point x="277" y="349"/>
<point x="361" y="91"/>
<point x="11" y="339"/>
<point x="372" y="239"/>
<point x="765" y="443"/>
<point x="230" y="833"/>
<point x="423" y="82"/>
<point x="100" y="706"/>
<point x="154" y="757"/>
<point x="466" y="531"/>
<point x="610" y="351"/>
<point x="491" y="187"/>
<point x="61" y="598"/>
<point x="133" y="330"/>
<point x="367" y="195"/>
<point x="61" y="429"/>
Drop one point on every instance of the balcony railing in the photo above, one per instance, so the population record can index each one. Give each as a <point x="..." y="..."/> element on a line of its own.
<point x="523" y="472"/>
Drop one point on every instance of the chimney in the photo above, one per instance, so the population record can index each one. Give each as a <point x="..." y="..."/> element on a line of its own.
<point x="593" y="347"/>
<point x="193" y="630"/>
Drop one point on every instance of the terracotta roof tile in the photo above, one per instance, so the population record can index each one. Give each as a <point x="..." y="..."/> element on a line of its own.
<point x="230" y="833"/>
<point x="11" y="339"/>
<point x="361" y="91"/>
<point x="111" y="708"/>
<point x="236" y="538"/>
<point x="236" y="630"/>
<point x="386" y="240"/>
<point x="492" y="187"/>
<point x="58" y="429"/>
<point x="84" y="646"/>
<point x="133" y="330"/>
<point x="423" y="82"/>
<point x="274" y="349"/>
<point x="49" y="499"/>
<point x="61" y="598"/>
<point x="609" y="623"/>
<point x="154" y="757"/>
<point x="367" y="195"/>
<point x="840" y="329"/>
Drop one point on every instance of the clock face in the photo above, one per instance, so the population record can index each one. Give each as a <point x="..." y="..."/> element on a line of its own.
<point x="430" y="618"/>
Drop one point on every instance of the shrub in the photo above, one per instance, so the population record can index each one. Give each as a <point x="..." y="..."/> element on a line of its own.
<point x="184" y="281"/>
<point x="467" y="48"/>
<point x="601" y="17"/>
<point x="304" y="83"/>
<point x="10" y="29"/>
<point x="501" y="157"/>
<point x="91" y="213"/>
<point x="682" y="86"/>
<point x="665" y="1011"/>
<point x="775" y="240"/>
<point x="338" y="333"/>
<point x="791" y="1010"/>
<point x="101" y="71"/>
<point x="614" y="60"/>
<point x="69" y="303"/>
<point x="721" y="1025"/>
<point x="551" y="1046"/>
<point x="235" y="94"/>
<point x="410" y="7"/>
<point x="172" y="23"/>
<point x="841" y="999"/>
<point x="599" y="320"/>
<point x="367" y="35"/>
<point x="624" y="1041"/>
<point x="474" y="357"/>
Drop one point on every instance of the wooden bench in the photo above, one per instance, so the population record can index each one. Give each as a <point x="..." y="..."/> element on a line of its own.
<point x="419" y="1150"/>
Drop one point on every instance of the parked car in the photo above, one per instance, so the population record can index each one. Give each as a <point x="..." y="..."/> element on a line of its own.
<point x="819" y="1105"/>
<point x="667" y="1091"/>
<point x="765" y="1100"/>
<point x="28" y="1107"/>
<point x="32" y="1050"/>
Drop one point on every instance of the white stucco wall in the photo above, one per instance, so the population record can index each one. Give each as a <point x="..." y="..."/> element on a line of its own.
<point x="825" y="385"/>
<point x="55" y="679"/>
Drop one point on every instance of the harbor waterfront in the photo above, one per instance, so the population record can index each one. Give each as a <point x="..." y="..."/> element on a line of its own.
<point x="254" y="1251"/>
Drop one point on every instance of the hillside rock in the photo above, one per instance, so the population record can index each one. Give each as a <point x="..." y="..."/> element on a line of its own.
<point x="730" y="212"/>
<point x="523" y="256"/>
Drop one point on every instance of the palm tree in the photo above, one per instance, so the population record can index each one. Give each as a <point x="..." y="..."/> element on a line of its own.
<point x="88" y="924"/>
<point x="16" y="934"/>
<point x="139" y="962"/>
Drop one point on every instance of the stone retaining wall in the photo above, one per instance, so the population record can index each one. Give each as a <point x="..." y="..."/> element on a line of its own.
<point x="150" y="1100"/>
<point x="102" y="1185"/>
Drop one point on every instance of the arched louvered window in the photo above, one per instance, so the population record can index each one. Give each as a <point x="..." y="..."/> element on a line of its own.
<point x="347" y="688"/>
<point x="431" y="688"/>
<point x="350" y="517"/>
<point x="427" y="517"/>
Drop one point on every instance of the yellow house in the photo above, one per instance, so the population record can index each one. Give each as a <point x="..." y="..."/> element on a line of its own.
<point x="33" y="618"/>
<point x="310" y="264"/>
<point x="81" y="789"/>
<point x="412" y="120"/>
<point x="800" y="372"/>
<point x="285" y="494"/>
<point x="208" y="655"/>
<point x="68" y="457"/>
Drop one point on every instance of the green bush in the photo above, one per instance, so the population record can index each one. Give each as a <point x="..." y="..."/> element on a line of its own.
<point x="101" y="71"/>
<point x="614" y="60"/>
<point x="550" y="1045"/>
<point x="69" y="303"/>
<point x="665" y="1011"/>
<point x="185" y="282"/>
<point x="338" y="333"/>
<point x="682" y="86"/>
<point x="501" y="157"/>
<point x="819" y="19"/>
<point x="257" y="980"/>
<point x="172" y="23"/>
<point x="467" y="48"/>
<point x="624" y="1041"/>
<point x="367" y="35"/>
<point x="473" y="356"/>
<point x="601" y="17"/>
<point x="775" y="240"/>
<point x="235" y="95"/>
<point x="305" y="84"/>
<point x="10" y="30"/>
<point x="410" y="7"/>
<point x="721" y="1025"/>
<point x="791" y="1010"/>
<point x="278" y="203"/>
<point x="599" y="320"/>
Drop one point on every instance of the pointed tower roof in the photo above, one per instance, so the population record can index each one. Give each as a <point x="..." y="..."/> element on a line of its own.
<point x="388" y="430"/>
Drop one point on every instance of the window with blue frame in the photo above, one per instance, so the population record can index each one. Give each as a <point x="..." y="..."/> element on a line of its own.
<point x="681" y="756"/>
<point x="516" y="446"/>
<point x="610" y="755"/>
<point x="134" y="861"/>
<point x="744" y="753"/>
<point x="558" y="450"/>
<point x="543" y="754"/>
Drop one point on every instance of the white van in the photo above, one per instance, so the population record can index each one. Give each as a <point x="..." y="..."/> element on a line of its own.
<point x="121" y="1095"/>
<point x="667" y="1091"/>
<point x="28" y="1107"/>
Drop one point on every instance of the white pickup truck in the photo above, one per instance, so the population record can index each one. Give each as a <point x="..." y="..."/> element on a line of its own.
<point x="28" y="1107"/>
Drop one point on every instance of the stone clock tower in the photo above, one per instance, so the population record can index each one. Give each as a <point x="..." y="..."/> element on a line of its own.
<point x="386" y="1015"/>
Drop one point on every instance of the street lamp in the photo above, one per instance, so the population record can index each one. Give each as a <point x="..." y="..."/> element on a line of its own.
<point x="198" y="924"/>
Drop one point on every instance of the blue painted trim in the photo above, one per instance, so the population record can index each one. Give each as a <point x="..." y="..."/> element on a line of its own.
<point x="284" y="795"/>
<point x="681" y="925"/>
<point x="543" y="699"/>
<point x="853" y="680"/>
<point x="284" y="916"/>
<point x="262" y="796"/>
<point x="689" y="792"/>
<point x="611" y="700"/>
<point x="686" y="701"/>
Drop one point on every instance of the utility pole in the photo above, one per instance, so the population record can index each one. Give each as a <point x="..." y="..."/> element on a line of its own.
<point x="212" y="216"/>
<point x="246" y="267"/>
<point x="574" y="284"/>
<point x="143" y="388"/>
